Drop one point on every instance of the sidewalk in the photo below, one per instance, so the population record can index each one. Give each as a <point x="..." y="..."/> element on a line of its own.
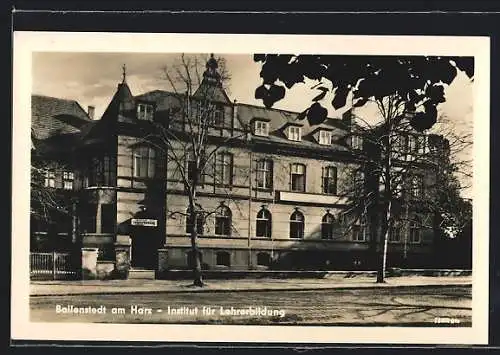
<point x="138" y="286"/>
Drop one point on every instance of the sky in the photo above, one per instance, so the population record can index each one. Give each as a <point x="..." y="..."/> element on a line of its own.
<point x="91" y="79"/>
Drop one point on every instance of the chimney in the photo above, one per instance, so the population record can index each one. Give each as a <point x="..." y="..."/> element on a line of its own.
<point x="235" y="110"/>
<point x="91" y="111"/>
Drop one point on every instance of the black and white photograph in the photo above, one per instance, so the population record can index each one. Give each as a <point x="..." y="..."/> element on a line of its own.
<point x="250" y="187"/>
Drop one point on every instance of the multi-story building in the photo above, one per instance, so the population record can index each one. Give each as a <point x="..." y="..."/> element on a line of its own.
<point x="275" y="193"/>
<point x="56" y="126"/>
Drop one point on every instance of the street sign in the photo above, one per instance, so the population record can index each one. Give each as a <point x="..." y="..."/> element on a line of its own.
<point x="144" y="222"/>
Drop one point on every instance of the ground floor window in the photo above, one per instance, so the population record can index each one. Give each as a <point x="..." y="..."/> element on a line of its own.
<point x="327" y="224"/>
<point x="297" y="225"/>
<point x="263" y="259"/>
<point x="223" y="258"/>
<point x="263" y="223"/>
<point x="415" y="231"/>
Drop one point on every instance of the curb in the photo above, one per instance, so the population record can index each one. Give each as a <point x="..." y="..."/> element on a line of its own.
<point x="206" y="290"/>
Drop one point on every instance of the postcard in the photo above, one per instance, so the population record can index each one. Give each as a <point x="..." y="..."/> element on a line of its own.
<point x="250" y="188"/>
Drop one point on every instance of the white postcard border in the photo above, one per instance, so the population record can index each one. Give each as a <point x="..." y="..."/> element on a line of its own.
<point x="27" y="42"/>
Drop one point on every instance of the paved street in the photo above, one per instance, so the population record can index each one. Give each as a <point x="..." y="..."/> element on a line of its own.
<point x="403" y="306"/>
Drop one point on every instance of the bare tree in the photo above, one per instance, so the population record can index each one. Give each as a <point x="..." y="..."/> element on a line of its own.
<point x="192" y="136"/>
<point x="393" y="159"/>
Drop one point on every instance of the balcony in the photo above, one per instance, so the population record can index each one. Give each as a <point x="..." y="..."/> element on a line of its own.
<point x="316" y="199"/>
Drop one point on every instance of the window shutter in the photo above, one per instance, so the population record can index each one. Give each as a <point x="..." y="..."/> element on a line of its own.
<point x="290" y="177"/>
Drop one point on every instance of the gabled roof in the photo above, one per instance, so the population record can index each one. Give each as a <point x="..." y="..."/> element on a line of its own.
<point x="51" y="116"/>
<point x="121" y="105"/>
<point x="212" y="93"/>
<point x="279" y="119"/>
<point x="164" y="100"/>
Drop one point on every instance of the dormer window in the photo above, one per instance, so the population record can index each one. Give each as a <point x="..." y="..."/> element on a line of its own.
<point x="325" y="137"/>
<point x="357" y="142"/>
<point x="145" y="112"/>
<point x="294" y="133"/>
<point x="261" y="128"/>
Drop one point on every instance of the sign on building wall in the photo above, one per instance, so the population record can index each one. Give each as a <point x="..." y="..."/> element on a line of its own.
<point x="144" y="222"/>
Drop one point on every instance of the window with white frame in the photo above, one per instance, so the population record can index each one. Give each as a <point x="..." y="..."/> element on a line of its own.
<point x="145" y="112"/>
<point x="192" y="169"/>
<point x="329" y="180"/>
<point x="357" y="142"/>
<point x="50" y="178"/>
<point x="264" y="172"/>
<point x="68" y="178"/>
<point x="325" y="137"/>
<point x="218" y="115"/>
<point x="359" y="230"/>
<point x="297" y="225"/>
<point x="261" y="128"/>
<point x="294" y="133"/>
<point x="395" y="235"/>
<point x="263" y="224"/>
<point x="413" y="143"/>
<point x="415" y="231"/>
<point x="224" y="168"/>
<point x="298" y="177"/>
<point x="327" y="226"/>
<point x="199" y="221"/>
<point x="144" y="162"/>
<point x="223" y="221"/>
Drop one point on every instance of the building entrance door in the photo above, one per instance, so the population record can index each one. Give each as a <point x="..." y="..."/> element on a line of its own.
<point x="144" y="235"/>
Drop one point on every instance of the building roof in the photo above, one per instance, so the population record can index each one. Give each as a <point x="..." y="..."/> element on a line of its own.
<point x="51" y="116"/>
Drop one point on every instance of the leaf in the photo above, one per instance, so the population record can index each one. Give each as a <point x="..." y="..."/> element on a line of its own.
<point x="276" y="92"/>
<point x="302" y="115"/>
<point x="435" y="94"/>
<point x="259" y="57"/>
<point x="321" y="96"/>
<point x="340" y="97"/>
<point x="261" y="92"/>
<point x="424" y="120"/>
<point x="465" y="64"/>
<point x="316" y="114"/>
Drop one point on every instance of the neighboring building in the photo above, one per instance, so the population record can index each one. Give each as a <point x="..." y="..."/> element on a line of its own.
<point x="278" y="193"/>
<point x="56" y="126"/>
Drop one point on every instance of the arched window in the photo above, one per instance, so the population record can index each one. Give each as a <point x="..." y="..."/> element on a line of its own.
<point x="327" y="224"/>
<point x="395" y="235"/>
<point x="263" y="259"/>
<point x="200" y="222"/>
<point x="297" y="225"/>
<point x="144" y="162"/>
<point x="415" y="230"/>
<point x="223" y="258"/>
<point x="263" y="223"/>
<point x="359" y="230"/>
<point x="223" y="220"/>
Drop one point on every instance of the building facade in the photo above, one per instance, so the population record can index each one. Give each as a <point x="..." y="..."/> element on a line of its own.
<point x="275" y="195"/>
